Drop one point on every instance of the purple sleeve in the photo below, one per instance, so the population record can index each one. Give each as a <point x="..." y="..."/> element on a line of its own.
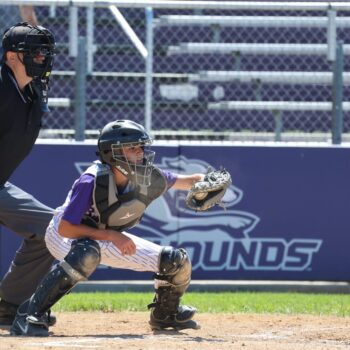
<point x="169" y="177"/>
<point x="81" y="199"/>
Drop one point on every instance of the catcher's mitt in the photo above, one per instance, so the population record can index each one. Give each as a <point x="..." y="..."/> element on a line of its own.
<point x="205" y="194"/>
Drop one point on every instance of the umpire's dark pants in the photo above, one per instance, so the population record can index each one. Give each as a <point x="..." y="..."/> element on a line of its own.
<point x="23" y="214"/>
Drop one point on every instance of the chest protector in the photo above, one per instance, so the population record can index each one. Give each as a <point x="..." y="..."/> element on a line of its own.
<point x="121" y="211"/>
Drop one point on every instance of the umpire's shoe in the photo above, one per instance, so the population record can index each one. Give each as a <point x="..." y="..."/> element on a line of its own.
<point x="28" y="325"/>
<point x="181" y="320"/>
<point x="8" y="313"/>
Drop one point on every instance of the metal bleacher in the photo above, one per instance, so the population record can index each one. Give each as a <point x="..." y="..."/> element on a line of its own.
<point x="249" y="21"/>
<point x="249" y="48"/>
<point x="260" y="78"/>
<point x="234" y="66"/>
<point x="280" y="77"/>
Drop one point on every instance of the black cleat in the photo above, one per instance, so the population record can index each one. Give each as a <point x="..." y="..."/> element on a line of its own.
<point x="171" y="323"/>
<point x="8" y="314"/>
<point x="179" y="321"/>
<point x="185" y="313"/>
<point x="50" y="318"/>
<point x="29" y="326"/>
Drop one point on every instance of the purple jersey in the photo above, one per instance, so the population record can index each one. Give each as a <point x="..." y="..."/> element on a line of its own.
<point x="81" y="198"/>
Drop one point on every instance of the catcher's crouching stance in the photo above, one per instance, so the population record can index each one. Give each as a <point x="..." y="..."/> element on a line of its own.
<point x="88" y="229"/>
<point x="81" y="262"/>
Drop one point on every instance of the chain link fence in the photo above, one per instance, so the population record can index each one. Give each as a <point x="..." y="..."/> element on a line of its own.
<point x="228" y="75"/>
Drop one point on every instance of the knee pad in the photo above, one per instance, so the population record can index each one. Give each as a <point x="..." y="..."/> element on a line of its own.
<point x="175" y="266"/>
<point x="83" y="258"/>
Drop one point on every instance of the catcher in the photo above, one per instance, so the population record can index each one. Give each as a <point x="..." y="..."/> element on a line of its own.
<point x="89" y="229"/>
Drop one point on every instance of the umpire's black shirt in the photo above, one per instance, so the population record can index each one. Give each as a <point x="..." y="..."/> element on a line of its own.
<point x="20" y="122"/>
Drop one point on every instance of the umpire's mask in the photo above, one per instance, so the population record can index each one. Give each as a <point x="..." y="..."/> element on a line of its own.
<point x="37" y="45"/>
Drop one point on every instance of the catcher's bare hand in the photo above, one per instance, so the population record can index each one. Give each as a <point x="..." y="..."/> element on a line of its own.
<point x="123" y="243"/>
<point x="208" y="192"/>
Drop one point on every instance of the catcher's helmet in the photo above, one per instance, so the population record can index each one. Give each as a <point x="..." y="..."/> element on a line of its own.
<point x="121" y="134"/>
<point x="31" y="41"/>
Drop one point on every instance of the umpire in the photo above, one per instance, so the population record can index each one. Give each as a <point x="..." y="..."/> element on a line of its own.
<point x="27" y="60"/>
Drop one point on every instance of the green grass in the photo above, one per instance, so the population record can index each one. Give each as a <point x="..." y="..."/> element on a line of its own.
<point x="240" y="302"/>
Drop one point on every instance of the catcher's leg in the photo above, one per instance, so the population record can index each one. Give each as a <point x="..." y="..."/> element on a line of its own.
<point x="78" y="265"/>
<point x="172" y="281"/>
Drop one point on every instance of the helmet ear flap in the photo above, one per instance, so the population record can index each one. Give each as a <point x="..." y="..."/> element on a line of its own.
<point x="106" y="156"/>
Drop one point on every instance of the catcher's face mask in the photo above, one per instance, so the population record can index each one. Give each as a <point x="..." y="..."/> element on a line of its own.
<point x="135" y="161"/>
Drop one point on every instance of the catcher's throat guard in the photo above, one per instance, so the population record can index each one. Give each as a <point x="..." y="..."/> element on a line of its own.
<point x="206" y="193"/>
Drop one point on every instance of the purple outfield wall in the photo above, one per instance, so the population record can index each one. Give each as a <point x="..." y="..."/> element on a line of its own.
<point x="286" y="218"/>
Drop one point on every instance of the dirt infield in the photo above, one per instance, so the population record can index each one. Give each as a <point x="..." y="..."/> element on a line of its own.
<point x="130" y="330"/>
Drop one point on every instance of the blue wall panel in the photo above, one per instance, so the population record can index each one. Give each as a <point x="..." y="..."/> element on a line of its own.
<point x="286" y="214"/>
